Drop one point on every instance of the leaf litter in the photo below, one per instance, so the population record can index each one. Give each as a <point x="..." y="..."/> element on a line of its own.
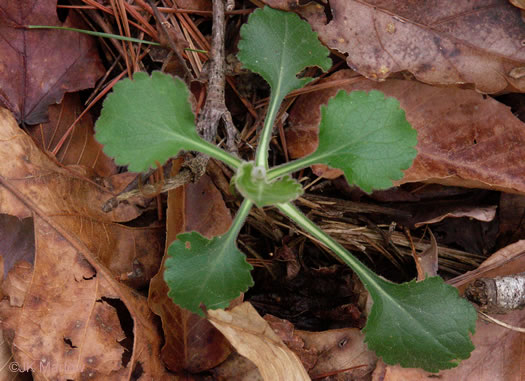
<point x="38" y="67"/>
<point x="350" y="234"/>
<point x="69" y="296"/>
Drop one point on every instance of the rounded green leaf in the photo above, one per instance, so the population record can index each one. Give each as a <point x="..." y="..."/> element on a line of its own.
<point x="212" y="272"/>
<point x="147" y="119"/>
<point x="278" y="45"/>
<point x="419" y="324"/>
<point x="367" y="136"/>
<point x="416" y="324"/>
<point x="251" y="182"/>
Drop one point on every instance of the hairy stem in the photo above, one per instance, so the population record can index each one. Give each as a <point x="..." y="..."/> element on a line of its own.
<point x="239" y="219"/>
<point x="290" y="167"/>
<point x="217" y="153"/>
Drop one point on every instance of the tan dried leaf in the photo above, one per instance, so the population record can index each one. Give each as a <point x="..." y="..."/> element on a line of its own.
<point x="253" y="338"/>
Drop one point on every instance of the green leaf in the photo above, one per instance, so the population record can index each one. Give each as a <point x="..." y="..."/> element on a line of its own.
<point x="278" y="45"/>
<point x="149" y="119"/>
<point x="251" y="182"/>
<point x="212" y="272"/>
<point x="420" y="324"/>
<point x="416" y="324"/>
<point x="367" y="136"/>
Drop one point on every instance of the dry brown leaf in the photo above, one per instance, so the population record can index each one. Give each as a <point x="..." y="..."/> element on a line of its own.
<point x="485" y="214"/>
<point x="499" y="353"/>
<point x="199" y="5"/>
<point x="340" y="350"/>
<point x="447" y="42"/>
<point x="236" y="368"/>
<point x="286" y="331"/>
<point x="253" y="338"/>
<point x="39" y="66"/>
<point x="191" y="342"/>
<point x="80" y="148"/>
<point x="133" y="254"/>
<point x="68" y="325"/>
<point x="464" y="138"/>
<point x="17" y="241"/>
<point x="518" y="3"/>
<point x="17" y="282"/>
<point x="511" y="215"/>
<point x="427" y="261"/>
<point x="9" y="370"/>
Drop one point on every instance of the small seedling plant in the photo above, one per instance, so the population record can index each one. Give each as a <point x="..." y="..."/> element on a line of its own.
<point x="148" y="119"/>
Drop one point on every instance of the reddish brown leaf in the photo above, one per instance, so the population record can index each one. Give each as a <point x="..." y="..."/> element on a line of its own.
<point x="67" y="326"/>
<point x="80" y="147"/>
<point x="464" y="138"/>
<point x="286" y="331"/>
<point x="445" y="42"/>
<point x="511" y="214"/>
<point x="191" y="342"/>
<point x="340" y="349"/>
<point x="17" y="242"/>
<point x="38" y="66"/>
<point x="200" y="5"/>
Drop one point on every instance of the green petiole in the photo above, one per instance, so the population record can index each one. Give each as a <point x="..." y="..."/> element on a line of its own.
<point x="93" y="33"/>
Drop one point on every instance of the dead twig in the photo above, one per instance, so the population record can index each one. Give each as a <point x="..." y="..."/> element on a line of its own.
<point x="215" y="107"/>
<point x="188" y="76"/>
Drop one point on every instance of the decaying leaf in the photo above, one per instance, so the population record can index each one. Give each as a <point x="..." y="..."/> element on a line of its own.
<point x="446" y="42"/>
<point x="191" y="342"/>
<point x="39" y="66"/>
<point x="68" y="326"/>
<point x="253" y="338"/>
<point x="464" y="138"/>
<point x="340" y="350"/>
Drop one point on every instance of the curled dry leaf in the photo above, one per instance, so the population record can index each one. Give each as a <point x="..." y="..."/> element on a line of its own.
<point x="191" y="343"/>
<point x="485" y="214"/>
<point x="39" y="66"/>
<point x="446" y="42"/>
<point x="427" y="260"/>
<point x="464" y="138"/>
<point x="253" y="338"/>
<point x="518" y="3"/>
<point x="68" y="326"/>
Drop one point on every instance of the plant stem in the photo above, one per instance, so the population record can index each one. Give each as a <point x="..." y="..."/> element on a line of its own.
<point x="368" y="278"/>
<point x="93" y="33"/>
<point x="211" y="150"/>
<point x="261" y="156"/>
<point x="239" y="219"/>
<point x="290" y="167"/>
